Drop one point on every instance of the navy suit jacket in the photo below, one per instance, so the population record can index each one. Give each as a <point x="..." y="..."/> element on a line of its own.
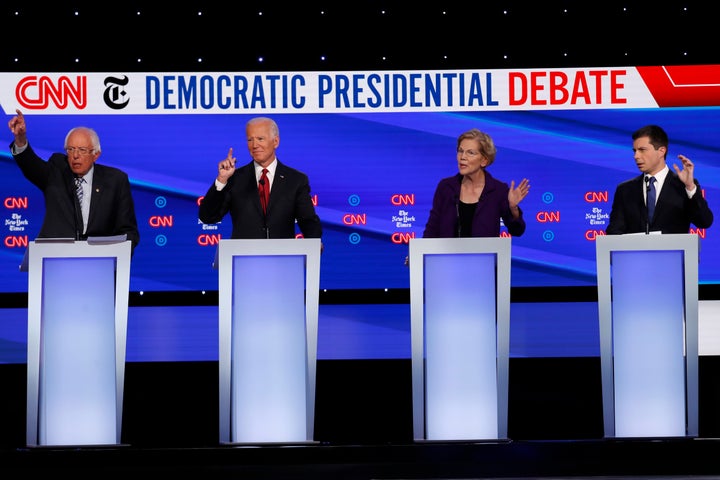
<point x="674" y="211"/>
<point x="493" y="205"/>
<point x="112" y="210"/>
<point x="289" y="202"/>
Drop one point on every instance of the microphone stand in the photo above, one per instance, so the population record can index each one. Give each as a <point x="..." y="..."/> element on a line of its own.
<point x="264" y="207"/>
<point x="457" y="216"/>
<point x="77" y="209"/>
<point x="647" y="206"/>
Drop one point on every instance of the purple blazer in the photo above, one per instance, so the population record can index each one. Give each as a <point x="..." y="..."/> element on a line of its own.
<point x="493" y="206"/>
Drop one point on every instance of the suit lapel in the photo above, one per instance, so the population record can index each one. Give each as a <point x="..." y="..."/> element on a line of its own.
<point x="252" y="185"/>
<point x="278" y="184"/>
<point x="668" y="189"/>
<point x="95" y="191"/>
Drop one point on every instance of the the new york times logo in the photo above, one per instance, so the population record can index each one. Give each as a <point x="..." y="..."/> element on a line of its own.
<point x="115" y="94"/>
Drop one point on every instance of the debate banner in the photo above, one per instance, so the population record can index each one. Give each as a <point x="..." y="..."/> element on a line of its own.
<point x="374" y="145"/>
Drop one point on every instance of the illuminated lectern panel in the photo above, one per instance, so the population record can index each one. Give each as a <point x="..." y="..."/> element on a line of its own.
<point x="648" y="313"/>
<point x="77" y="329"/>
<point x="268" y="315"/>
<point x="460" y="337"/>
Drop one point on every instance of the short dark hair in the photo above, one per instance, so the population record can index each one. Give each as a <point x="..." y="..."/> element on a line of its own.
<point x="657" y="136"/>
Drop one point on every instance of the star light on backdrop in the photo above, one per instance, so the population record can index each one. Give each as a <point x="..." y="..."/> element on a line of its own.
<point x="361" y="36"/>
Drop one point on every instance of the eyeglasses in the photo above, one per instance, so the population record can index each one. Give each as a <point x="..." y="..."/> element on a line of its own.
<point x="80" y="150"/>
<point x="469" y="153"/>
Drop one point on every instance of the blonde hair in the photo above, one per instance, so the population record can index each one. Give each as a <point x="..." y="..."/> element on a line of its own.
<point x="485" y="142"/>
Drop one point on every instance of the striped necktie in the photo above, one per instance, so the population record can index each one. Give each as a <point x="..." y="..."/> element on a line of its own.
<point x="79" y="188"/>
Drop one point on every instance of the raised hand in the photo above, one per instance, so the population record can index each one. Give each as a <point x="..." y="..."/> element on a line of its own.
<point x="516" y="194"/>
<point x="686" y="174"/>
<point x="18" y="128"/>
<point x="226" y="167"/>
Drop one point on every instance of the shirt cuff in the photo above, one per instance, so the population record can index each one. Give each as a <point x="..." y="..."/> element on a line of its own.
<point x="18" y="150"/>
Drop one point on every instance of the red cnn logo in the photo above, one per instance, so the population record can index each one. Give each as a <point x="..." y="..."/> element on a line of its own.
<point x="15" y="202"/>
<point x="208" y="240"/>
<point x="547" y="217"/>
<point x="16" y="242"/>
<point x="36" y="93"/>
<point x="398" y="199"/>
<point x="355" y="219"/>
<point x="700" y="232"/>
<point x="399" y="238"/>
<point x="595" y="197"/>
<point x="592" y="234"/>
<point x="157" y="221"/>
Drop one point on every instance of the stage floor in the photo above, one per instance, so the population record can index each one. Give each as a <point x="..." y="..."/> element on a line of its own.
<point x="363" y="430"/>
<point x="607" y="459"/>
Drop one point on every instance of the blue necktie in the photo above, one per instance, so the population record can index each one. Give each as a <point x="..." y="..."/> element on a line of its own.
<point x="651" y="198"/>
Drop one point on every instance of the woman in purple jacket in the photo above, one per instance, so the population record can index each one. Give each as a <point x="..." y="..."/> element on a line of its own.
<point x="472" y="202"/>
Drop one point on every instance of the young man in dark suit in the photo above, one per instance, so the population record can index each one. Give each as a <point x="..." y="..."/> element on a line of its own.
<point x="679" y="201"/>
<point x="104" y="208"/>
<point x="238" y="190"/>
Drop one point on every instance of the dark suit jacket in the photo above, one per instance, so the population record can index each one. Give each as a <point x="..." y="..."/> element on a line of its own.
<point x="112" y="210"/>
<point x="493" y="205"/>
<point x="674" y="211"/>
<point x="290" y="201"/>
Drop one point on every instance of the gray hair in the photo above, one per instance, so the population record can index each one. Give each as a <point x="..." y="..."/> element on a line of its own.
<point x="274" y="129"/>
<point x="94" y="138"/>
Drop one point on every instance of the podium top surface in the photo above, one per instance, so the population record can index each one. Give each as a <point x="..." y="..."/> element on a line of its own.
<point x="672" y="241"/>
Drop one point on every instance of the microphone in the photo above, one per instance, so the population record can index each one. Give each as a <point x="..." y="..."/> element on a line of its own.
<point x="262" y="182"/>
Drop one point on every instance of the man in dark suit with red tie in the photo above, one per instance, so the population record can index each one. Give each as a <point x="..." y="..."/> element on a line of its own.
<point x="106" y="207"/>
<point x="238" y="190"/>
<point x="679" y="198"/>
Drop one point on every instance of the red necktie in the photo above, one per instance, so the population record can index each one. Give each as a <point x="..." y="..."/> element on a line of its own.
<point x="264" y="190"/>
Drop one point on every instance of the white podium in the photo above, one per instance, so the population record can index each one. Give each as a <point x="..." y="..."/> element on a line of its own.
<point x="77" y="329"/>
<point x="648" y="313"/>
<point x="268" y="315"/>
<point x="460" y="322"/>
